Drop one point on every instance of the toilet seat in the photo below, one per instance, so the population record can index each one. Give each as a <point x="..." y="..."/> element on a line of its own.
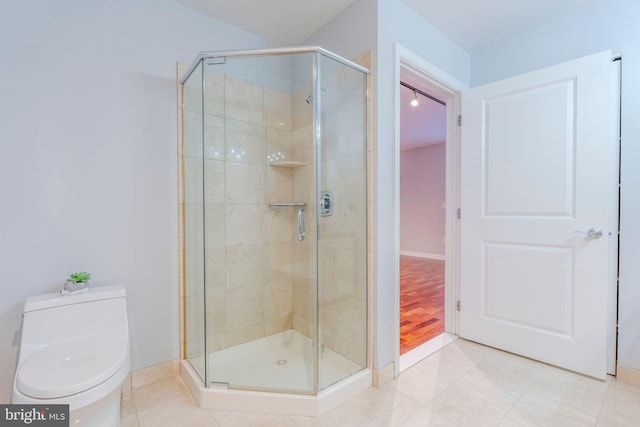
<point x="71" y="367"/>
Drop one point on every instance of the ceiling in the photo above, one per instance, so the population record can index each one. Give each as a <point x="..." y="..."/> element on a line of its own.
<point x="285" y="22"/>
<point x="473" y="24"/>
<point x="425" y="124"/>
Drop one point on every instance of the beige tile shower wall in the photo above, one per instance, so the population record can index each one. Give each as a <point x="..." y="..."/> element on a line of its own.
<point x="366" y="60"/>
<point x="248" y="244"/>
<point x="304" y="252"/>
<point x="344" y="305"/>
<point x="255" y="290"/>
<point x="343" y="253"/>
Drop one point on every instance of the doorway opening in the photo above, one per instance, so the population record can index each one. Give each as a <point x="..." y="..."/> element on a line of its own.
<point x="423" y="124"/>
<point x="427" y="198"/>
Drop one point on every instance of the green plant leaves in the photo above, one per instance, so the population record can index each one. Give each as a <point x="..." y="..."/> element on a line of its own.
<point x="81" y="276"/>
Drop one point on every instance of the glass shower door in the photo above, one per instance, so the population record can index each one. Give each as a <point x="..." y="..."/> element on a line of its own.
<point x="259" y="250"/>
<point x="342" y="219"/>
<point x="193" y="212"/>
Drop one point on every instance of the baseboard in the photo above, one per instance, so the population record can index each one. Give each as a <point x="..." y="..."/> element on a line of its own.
<point x="384" y="375"/>
<point x="145" y="376"/>
<point x="422" y="255"/>
<point x="425" y="350"/>
<point x="628" y="375"/>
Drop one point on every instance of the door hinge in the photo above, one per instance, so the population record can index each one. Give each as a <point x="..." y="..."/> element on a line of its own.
<point x="459" y="213"/>
<point x="459" y="119"/>
<point x="458" y="305"/>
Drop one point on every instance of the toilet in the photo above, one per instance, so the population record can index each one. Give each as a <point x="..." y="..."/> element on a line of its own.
<point x="74" y="350"/>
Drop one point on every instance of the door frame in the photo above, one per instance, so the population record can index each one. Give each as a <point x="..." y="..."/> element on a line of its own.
<point x="437" y="78"/>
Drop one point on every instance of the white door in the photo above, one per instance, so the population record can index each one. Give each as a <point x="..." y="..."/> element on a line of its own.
<point x="536" y="177"/>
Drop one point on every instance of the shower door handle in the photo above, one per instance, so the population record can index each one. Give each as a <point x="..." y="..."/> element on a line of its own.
<point x="301" y="225"/>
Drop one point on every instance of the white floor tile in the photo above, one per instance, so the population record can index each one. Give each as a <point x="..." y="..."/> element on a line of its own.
<point x="621" y="406"/>
<point x="527" y="420"/>
<point x="577" y="396"/>
<point x="427" y="418"/>
<point x="420" y="385"/>
<point x="129" y="421"/>
<point x="464" y="384"/>
<point x="245" y="419"/>
<point x="466" y="409"/>
<point x="501" y="391"/>
<point x="385" y="406"/>
<point x="343" y="415"/>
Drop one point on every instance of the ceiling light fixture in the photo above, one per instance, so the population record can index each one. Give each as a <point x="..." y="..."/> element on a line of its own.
<point x="414" y="101"/>
<point x="416" y="91"/>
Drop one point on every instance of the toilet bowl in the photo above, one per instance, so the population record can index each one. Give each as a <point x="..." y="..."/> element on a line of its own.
<point x="74" y="350"/>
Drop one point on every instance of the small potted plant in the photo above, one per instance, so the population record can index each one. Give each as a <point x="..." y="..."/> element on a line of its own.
<point x="76" y="282"/>
<point x="80" y="277"/>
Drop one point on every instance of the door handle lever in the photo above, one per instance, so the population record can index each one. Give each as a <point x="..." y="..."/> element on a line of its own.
<point x="592" y="233"/>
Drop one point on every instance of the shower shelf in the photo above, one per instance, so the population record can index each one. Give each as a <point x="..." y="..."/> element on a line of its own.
<point x="287" y="164"/>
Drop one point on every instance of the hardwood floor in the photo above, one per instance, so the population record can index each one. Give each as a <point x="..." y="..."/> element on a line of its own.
<point x="421" y="301"/>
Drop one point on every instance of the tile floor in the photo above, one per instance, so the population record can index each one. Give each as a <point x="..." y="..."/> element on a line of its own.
<point x="464" y="384"/>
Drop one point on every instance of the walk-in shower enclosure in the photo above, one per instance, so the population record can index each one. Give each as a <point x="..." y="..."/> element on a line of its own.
<point x="275" y="219"/>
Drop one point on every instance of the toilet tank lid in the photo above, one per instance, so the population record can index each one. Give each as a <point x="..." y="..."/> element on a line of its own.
<point x="56" y="299"/>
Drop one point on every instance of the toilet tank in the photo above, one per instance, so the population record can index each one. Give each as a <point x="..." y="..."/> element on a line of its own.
<point x="54" y="317"/>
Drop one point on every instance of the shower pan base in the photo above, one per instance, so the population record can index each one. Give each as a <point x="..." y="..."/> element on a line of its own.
<point x="274" y="403"/>
<point x="263" y="355"/>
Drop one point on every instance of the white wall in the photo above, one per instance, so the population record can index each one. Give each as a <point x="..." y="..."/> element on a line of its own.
<point x="88" y="156"/>
<point x="422" y="194"/>
<point x="351" y="33"/>
<point x="399" y="24"/>
<point x="610" y="24"/>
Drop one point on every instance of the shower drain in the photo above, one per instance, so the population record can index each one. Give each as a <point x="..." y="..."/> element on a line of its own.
<point x="281" y="362"/>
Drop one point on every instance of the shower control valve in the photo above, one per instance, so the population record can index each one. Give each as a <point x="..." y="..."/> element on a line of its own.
<point x="326" y="203"/>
